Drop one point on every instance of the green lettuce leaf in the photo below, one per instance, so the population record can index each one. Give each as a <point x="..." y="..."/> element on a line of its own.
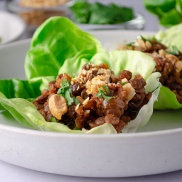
<point x="76" y="63"/>
<point x="134" y="61"/>
<point x="15" y="88"/>
<point x="167" y="21"/>
<point x="159" y="7"/>
<point x="167" y="11"/>
<point x="116" y="60"/>
<point x="58" y="40"/>
<point x="167" y="100"/>
<point x="171" y="36"/>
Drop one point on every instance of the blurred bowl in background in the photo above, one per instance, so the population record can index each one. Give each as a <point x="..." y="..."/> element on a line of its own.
<point x="102" y="15"/>
<point x="34" y="12"/>
<point x="41" y="3"/>
<point x="12" y="27"/>
<point x="137" y="23"/>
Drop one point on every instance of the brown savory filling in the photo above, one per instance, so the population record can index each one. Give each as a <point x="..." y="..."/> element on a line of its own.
<point x="168" y="62"/>
<point x="96" y="96"/>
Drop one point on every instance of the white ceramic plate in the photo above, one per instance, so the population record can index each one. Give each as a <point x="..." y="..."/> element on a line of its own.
<point x="155" y="148"/>
<point x="11" y="28"/>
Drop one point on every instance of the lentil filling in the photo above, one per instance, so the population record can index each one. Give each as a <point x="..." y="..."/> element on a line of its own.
<point x="94" y="97"/>
<point x="168" y="62"/>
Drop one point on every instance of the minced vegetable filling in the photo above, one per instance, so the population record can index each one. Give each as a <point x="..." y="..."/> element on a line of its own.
<point x="168" y="62"/>
<point x="94" y="97"/>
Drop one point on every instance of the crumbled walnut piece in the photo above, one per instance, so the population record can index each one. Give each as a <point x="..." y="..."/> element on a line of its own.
<point x="57" y="105"/>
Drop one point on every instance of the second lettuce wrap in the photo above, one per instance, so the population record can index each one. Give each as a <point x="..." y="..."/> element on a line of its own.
<point x="164" y="48"/>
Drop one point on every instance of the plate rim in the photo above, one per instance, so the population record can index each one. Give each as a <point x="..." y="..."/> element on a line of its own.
<point x="29" y="131"/>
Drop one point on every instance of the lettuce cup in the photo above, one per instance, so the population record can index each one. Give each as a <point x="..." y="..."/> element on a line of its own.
<point x="171" y="36"/>
<point x="74" y="85"/>
<point x="168" y="63"/>
<point x="95" y="101"/>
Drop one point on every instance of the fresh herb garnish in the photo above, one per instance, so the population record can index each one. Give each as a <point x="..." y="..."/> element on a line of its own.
<point x="65" y="91"/>
<point x="103" y="92"/>
<point x="130" y="44"/>
<point x="53" y="119"/>
<point x="123" y="83"/>
<point x="146" y="39"/>
<point x="173" y="50"/>
<point x="75" y="128"/>
<point x="98" y="13"/>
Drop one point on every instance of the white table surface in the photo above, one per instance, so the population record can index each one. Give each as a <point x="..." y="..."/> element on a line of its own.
<point x="9" y="173"/>
<point x="12" y="173"/>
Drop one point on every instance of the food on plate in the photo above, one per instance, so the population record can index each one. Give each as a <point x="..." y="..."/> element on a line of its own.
<point x="74" y="85"/>
<point x="99" y="13"/>
<point x="94" y="97"/>
<point x="168" y="63"/>
<point x="96" y="101"/>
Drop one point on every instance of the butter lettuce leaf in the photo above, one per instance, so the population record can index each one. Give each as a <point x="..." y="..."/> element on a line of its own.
<point x="167" y="100"/>
<point x="58" y="40"/>
<point x="134" y="61"/>
<point x="167" y="11"/>
<point x="27" y="89"/>
<point x="171" y="36"/>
